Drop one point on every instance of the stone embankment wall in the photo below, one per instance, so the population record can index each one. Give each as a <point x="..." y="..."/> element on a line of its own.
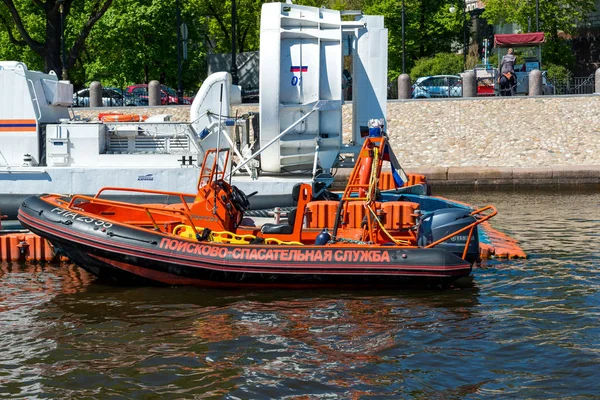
<point x="530" y="139"/>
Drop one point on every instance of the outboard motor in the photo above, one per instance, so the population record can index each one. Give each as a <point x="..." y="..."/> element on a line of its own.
<point x="440" y="223"/>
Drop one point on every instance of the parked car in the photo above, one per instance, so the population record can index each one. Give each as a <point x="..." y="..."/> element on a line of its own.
<point x="437" y="86"/>
<point x="187" y="100"/>
<point x="111" y="97"/>
<point x="137" y="95"/>
<point x="171" y="94"/>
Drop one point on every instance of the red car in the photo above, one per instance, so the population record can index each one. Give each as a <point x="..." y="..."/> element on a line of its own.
<point x="138" y="95"/>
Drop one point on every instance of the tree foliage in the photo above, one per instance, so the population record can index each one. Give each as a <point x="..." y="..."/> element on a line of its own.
<point x="121" y="42"/>
<point x="430" y="28"/>
<point x="38" y="25"/>
<point x="217" y="24"/>
<point x="557" y="72"/>
<point x="440" y="64"/>
<point x="558" y="52"/>
<point x="134" y="43"/>
<point x="554" y="15"/>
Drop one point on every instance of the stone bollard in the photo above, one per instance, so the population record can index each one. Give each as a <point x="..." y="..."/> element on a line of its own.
<point x="469" y="88"/>
<point x="95" y="94"/>
<point x="154" y="93"/>
<point x="597" y="81"/>
<point x="404" y="87"/>
<point x="535" y="82"/>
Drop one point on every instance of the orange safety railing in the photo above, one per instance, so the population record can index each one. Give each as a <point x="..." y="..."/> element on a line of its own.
<point x="362" y="175"/>
<point x="469" y="227"/>
<point x="150" y="191"/>
<point x="210" y="172"/>
<point x="363" y="181"/>
<point x="181" y="196"/>
<point x="149" y="210"/>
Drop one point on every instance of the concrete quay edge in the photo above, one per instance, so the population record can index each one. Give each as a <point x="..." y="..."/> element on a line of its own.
<point x="564" y="175"/>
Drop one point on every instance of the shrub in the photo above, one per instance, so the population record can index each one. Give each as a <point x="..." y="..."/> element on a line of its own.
<point x="440" y="64"/>
<point x="558" y="52"/>
<point x="557" y="72"/>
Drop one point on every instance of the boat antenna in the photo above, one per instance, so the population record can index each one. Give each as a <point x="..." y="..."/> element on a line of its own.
<point x="219" y="128"/>
<point x="234" y="135"/>
<point x="218" y="155"/>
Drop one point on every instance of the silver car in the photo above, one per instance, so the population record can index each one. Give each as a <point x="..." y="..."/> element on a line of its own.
<point x="110" y="98"/>
<point x="437" y="86"/>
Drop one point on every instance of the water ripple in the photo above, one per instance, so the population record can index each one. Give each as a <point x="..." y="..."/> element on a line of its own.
<point x="516" y="329"/>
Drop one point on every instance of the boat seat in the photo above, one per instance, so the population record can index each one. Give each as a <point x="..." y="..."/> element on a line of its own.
<point x="285" y="228"/>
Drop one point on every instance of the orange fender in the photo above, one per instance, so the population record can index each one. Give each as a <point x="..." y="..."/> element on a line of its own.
<point x="364" y="175"/>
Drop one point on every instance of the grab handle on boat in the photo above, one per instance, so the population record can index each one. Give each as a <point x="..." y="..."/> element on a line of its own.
<point x="488" y="216"/>
<point x="336" y="224"/>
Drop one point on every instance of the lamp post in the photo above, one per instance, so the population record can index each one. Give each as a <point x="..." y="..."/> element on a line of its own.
<point x="179" y="85"/>
<point x="452" y="10"/>
<point x="62" y="38"/>
<point x="403" y="43"/>
<point x="537" y="15"/>
<point x="234" y="70"/>
<point x="537" y="29"/>
<point x="465" y="43"/>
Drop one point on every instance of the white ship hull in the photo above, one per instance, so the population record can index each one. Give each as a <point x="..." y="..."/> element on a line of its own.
<point x="18" y="183"/>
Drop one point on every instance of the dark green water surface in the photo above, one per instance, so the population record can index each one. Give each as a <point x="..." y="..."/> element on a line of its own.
<point x="515" y="329"/>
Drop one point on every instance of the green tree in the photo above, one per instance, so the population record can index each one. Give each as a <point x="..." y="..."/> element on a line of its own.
<point x="440" y="64"/>
<point x="430" y="28"/>
<point x="558" y="52"/>
<point x="557" y="72"/>
<point x="217" y="30"/>
<point x="37" y="25"/>
<point x="554" y="15"/>
<point x="136" y="42"/>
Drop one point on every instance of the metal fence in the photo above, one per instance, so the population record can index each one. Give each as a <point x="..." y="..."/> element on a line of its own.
<point x="575" y="85"/>
<point x="119" y="97"/>
<point x="486" y="86"/>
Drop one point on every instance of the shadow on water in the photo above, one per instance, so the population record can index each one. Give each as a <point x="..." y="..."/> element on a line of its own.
<point x="92" y="339"/>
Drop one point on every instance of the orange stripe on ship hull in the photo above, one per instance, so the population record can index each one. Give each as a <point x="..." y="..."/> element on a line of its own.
<point x="17" y="125"/>
<point x="18" y="129"/>
<point x="17" y="121"/>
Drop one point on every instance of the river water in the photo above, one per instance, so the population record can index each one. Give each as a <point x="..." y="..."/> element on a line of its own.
<point x="515" y="329"/>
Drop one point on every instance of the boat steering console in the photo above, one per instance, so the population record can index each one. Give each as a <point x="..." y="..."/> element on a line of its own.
<point x="240" y="199"/>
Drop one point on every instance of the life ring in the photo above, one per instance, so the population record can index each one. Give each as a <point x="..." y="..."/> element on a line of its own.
<point x="118" y="117"/>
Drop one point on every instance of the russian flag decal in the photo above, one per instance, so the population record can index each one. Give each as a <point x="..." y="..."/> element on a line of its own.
<point x="296" y="68"/>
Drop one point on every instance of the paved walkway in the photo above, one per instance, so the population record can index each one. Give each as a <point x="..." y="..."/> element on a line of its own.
<point x="567" y="176"/>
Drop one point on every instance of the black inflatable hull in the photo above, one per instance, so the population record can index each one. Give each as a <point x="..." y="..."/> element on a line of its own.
<point x="131" y="255"/>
